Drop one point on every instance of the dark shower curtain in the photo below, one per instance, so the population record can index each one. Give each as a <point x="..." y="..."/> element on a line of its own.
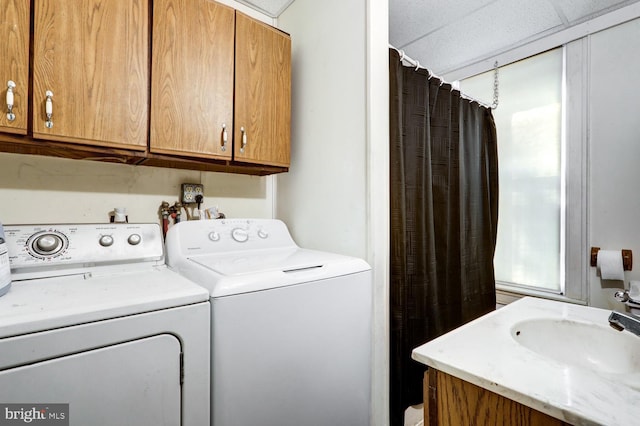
<point x="444" y="214"/>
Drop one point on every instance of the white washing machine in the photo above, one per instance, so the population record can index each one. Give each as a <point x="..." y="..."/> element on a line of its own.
<point x="94" y="319"/>
<point x="291" y="328"/>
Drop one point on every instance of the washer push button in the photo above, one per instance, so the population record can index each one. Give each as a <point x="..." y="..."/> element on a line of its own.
<point x="240" y="235"/>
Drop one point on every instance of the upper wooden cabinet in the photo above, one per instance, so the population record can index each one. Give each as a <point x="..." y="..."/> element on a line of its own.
<point x="194" y="111"/>
<point x="93" y="57"/>
<point x="192" y="78"/>
<point x="262" y="130"/>
<point x="14" y="65"/>
<point x="210" y="91"/>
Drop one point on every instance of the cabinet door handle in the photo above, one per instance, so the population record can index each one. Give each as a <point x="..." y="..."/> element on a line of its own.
<point x="10" y="86"/>
<point x="225" y="137"/>
<point x="48" y="109"/>
<point x="244" y="139"/>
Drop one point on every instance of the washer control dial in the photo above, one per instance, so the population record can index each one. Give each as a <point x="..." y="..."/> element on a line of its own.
<point x="106" y="240"/>
<point x="263" y="234"/>
<point x="134" y="239"/>
<point x="240" y="235"/>
<point x="214" y="236"/>
<point x="47" y="244"/>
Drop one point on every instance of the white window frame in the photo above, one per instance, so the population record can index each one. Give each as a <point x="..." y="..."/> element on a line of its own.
<point x="573" y="205"/>
<point x="572" y="178"/>
<point x="576" y="134"/>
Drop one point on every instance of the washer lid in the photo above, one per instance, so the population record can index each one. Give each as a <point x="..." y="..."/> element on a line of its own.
<point x="256" y="270"/>
<point x="261" y="261"/>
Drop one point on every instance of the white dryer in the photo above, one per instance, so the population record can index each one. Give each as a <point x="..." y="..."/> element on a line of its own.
<point x="291" y="328"/>
<point x="94" y="319"/>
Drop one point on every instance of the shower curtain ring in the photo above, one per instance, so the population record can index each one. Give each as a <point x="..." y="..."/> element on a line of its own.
<point x="417" y="65"/>
<point x="401" y="55"/>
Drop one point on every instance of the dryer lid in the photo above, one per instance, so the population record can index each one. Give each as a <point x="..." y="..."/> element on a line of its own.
<point x="47" y="303"/>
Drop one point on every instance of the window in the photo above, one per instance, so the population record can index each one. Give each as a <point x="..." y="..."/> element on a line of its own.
<point x="530" y="251"/>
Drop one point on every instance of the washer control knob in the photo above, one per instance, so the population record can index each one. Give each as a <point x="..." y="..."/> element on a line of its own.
<point x="263" y="234"/>
<point x="134" y="239"/>
<point x="48" y="243"/>
<point x="240" y="235"/>
<point x="106" y="240"/>
<point x="214" y="236"/>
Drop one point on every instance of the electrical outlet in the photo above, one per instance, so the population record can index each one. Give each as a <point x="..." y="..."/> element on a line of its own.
<point x="190" y="191"/>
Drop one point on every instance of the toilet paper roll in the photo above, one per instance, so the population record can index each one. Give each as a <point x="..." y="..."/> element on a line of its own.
<point x="610" y="265"/>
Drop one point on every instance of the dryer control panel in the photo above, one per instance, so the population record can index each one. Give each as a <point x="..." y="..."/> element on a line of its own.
<point x="34" y="246"/>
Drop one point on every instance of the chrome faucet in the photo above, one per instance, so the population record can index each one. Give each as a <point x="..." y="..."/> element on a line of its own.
<point x="621" y="321"/>
<point x="621" y="295"/>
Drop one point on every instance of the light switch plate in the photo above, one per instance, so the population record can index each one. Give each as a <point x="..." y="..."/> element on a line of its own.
<point x="190" y="191"/>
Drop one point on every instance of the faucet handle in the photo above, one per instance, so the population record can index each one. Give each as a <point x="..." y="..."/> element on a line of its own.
<point x="621" y="295"/>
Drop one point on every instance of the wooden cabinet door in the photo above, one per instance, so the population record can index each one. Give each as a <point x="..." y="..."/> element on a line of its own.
<point x="262" y="93"/>
<point x="93" y="55"/>
<point x="450" y="401"/>
<point x="14" y="64"/>
<point x="192" y="78"/>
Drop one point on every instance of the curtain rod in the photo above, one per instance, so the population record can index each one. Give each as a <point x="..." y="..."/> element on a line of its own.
<point x="416" y="63"/>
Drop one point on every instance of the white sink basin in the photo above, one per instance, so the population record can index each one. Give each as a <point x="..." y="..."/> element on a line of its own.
<point x="559" y="358"/>
<point x="596" y="347"/>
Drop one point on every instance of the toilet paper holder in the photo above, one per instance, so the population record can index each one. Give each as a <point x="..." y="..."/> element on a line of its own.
<point x="627" y="258"/>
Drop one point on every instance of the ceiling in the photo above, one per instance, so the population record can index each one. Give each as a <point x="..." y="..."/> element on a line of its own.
<point x="272" y="8"/>
<point x="445" y="35"/>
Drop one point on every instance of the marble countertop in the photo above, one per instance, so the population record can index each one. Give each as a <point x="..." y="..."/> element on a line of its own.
<point x="484" y="352"/>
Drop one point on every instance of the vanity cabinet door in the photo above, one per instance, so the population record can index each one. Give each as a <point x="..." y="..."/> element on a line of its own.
<point x="450" y="401"/>
<point x="91" y="72"/>
<point x="192" y="78"/>
<point x="14" y="65"/>
<point x="262" y="93"/>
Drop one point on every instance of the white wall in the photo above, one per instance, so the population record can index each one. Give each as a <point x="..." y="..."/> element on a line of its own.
<point x="335" y="196"/>
<point x="323" y="197"/>
<point x="36" y="189"/>
<point x="614" y="150"/>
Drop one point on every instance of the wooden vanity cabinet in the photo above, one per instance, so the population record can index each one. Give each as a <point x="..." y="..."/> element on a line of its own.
<point x="14" y="65"/>
<point x="262" y="131"/>
<point x="93" y="56"/>
<point x="192" y="78"/>
<point x="450" y="401"/>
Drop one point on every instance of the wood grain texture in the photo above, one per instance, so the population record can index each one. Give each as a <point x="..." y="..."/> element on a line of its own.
<point x="460" y="403"/>
<point x="282" y="98"/>
<point x="192" y="78"/>
<point x="94" y="56"/>
<point x="14" y="62"/>
<point x="262" y="92"/>
<point x="19" y="144"/>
